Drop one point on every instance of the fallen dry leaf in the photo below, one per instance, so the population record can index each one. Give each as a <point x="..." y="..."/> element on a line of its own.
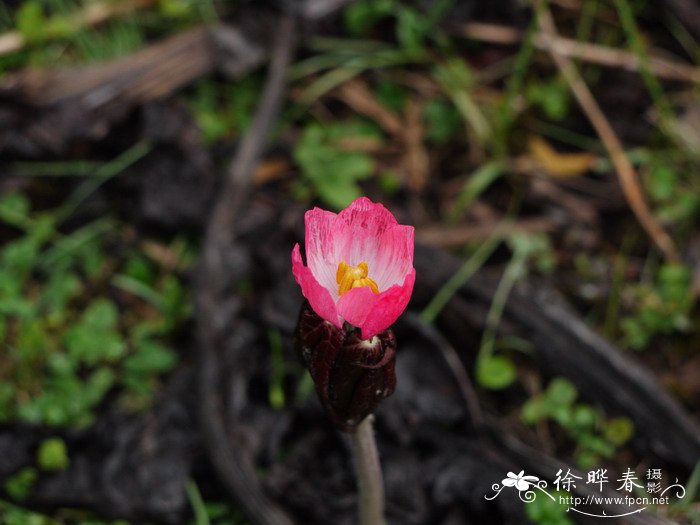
<point x="559" y="164"/>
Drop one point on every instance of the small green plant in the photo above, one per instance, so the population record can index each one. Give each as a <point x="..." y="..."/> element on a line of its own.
<point x="222" y="109"/>
<point x="659" y="307"/>
<point x="328" y="163"/>
<point x="493" y="371"/>
<point x="211" y="513"/>
<point x="46" y="25"/>
<point x="551" y="96"/>
<point x="442" y="121"/>
<point x="52" y="454"/>
<point x="20" y="484"/>
<point x="360" y="17"/>
<point x="595" y="436"/>
<point x="413" y="27"/>
<point x="15" y="515"/>
<point x="545" y="511"/>
<point x="65" y="344"/>
<point x="676" y="196"/>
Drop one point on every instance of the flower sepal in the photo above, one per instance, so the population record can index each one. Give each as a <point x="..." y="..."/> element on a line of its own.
<point x="351" y="375"/>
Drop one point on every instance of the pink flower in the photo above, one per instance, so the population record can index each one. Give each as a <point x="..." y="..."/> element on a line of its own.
<point x="360" y="266"/>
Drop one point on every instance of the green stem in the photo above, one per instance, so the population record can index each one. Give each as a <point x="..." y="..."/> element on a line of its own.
<point x="513" y="272"/>
<point x="634" y="37"/>
<point x="369" y="474"/>
<point x="465" y="272"/>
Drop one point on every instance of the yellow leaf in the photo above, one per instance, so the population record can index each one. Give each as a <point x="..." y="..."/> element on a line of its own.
<point x="559" y="164"/>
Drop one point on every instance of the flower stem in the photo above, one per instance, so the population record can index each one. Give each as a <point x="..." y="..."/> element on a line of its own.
<point x="369" y="474"/>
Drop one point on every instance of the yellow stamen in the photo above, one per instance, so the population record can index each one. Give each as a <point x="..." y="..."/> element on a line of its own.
<point x="349" y="277"/>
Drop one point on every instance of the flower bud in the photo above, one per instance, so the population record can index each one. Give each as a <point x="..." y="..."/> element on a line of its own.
<point x="351" y="375"/>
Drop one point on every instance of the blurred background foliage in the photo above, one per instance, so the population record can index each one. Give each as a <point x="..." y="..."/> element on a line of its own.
<point x="398" y="103"/>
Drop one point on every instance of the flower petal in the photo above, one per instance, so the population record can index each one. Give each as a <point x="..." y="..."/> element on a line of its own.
<point x="376" y="312"/>
<point x="395" y="258"/>
<point x="355" y="305"/>
<point x="358" y="231"/>
<point x="508" y="482"/>
<point x="318" y="296"/>
<point x="320" y="247"/>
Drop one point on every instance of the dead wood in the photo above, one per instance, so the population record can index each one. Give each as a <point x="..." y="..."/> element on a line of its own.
<point x="48" y="110"/>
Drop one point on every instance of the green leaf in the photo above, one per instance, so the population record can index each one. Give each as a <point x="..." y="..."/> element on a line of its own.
<point x="663" y="182"/>
<point x="495" y="372"/>
<point x="52" y="454"/>
<point x="442" y="121"/>
<point x="175" y="301"/>
<point x="392" y="95"/>
<point x="360" y="16"/>
<point x="618" y="430"/>
<point x="561" y="392"/>
<point x="15" y="515"/>
<point x="140" y="269"/>
<point x="59" y="364"/>
<point x="18" y="485"/>
<point x="31" y="20"/>
<point x="389" y="182"/>
<point x="95" y="338"/>
<point x="98" y="385"/>
<point x="544" y="511"/>
<point x="33" y="342"/>
<point x="533" y="411"/>
<point x="60" y="288"/>
<point x="597" y="444"/>
<point x="19" y="256"/>
<point x="586" y="459"/>
<point x="151" y="357"/>
<point x="584" y="417"/>
<point x="14" y="209"/>
<point x="411" y="29"/>
<point x="675" y="283"/>
<point x="551" y="96"/>
<point x="175" y="8"/>
<point x="332" y="170"/>
<point x="636" y="335"/>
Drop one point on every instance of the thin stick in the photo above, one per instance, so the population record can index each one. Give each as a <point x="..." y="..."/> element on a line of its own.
<point x="235" y="468"/>
<point x="586" y="51"/>
<point x="369" y="474"/>
<point x="629" y="181"/>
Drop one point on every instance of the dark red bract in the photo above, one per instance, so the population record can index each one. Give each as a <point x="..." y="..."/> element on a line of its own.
<point x="351" y="375"/>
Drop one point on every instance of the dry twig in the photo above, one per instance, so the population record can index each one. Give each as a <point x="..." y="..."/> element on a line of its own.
<point x="237" y="474"/>
<point x="358" y="96"/>
<point x="585" y="51"/>
<point x="629" y="181"/>
<point x="452" y="237"/>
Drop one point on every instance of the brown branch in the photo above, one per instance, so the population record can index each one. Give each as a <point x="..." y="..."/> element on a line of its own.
<point x="455" y="236"/>
<point x="234" y="467"/>
<point x="627" y="176"/>
<point x="156" y="70"/>
<point x="585" y="51"/>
